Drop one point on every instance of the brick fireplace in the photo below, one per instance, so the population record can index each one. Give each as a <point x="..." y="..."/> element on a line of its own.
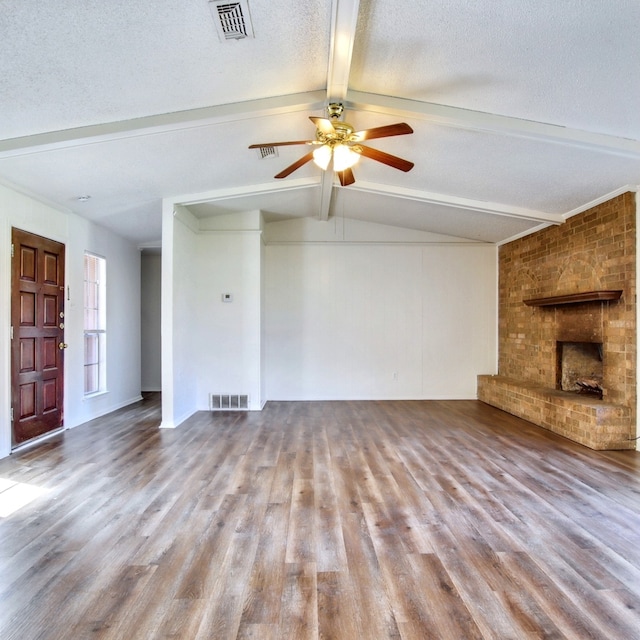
<point x="572" y="284"/>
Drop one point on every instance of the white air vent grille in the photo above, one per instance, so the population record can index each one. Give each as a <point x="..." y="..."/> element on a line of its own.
<point x="267" y="152"/>
<point x="232" y="20"/>
<point x="228" y="402"/>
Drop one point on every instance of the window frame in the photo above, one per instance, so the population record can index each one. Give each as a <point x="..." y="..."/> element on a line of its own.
<point x="94" y="324"/>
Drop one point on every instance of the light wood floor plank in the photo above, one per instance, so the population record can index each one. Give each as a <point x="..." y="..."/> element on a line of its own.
<point x="401" y="520"/>
<point x="266" y="584"/>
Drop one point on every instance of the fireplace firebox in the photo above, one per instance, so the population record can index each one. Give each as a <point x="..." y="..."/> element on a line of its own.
<point x="580" y="368"/>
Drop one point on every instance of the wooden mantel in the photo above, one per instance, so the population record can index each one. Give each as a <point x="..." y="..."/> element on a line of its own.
<point x="574" y="298"/>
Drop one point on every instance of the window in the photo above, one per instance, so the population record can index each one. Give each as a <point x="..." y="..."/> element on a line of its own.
<point x="95" y="325"/>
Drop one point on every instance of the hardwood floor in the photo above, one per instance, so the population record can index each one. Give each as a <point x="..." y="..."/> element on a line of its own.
<point x="345" y="520"/>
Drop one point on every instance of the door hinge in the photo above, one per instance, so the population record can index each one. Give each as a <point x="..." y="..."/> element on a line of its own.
<point x="12" y="249"/>
<point x="11" y="414"/>
<point x="11" y="333"/>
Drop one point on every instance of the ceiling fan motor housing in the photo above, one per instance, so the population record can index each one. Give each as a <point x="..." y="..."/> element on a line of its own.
<point x="341" y="134"/>
<point x="335" y="110"/>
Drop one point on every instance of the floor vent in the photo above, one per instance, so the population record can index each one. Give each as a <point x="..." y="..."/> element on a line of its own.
<point x="228" y="402"/>
<point x="232" y="20"/>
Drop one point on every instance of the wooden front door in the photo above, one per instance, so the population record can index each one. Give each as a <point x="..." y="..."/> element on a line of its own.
<point x="37" y="325"/>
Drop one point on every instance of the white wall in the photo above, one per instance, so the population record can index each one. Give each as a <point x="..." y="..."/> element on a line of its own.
<point x="150" y="297"/>
<point x="229" y="333"/>
<point x="179" y="315"/>
<point x="335" y="310"/>
<point x="123" y="321"/>
<point x="209" y="346"/>
<point x="370" y="320"/>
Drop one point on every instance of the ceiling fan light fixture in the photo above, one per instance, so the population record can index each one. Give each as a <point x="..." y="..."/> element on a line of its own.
<point x="322" y="156"/>
<point x="337" y="144"/>
<point x="344" y="157"/>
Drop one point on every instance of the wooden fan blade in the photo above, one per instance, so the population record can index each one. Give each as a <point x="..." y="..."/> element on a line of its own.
<point x="346" y="177"/>
<point x="323" y="124"/>
<point x="399" y="129"/>
<point x="386" y="158"/>
<point x="278" y="144"/>
<point x="296" y="165"/>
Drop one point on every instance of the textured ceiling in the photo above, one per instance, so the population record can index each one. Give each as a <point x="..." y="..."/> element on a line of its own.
<point x="524" y="111"/>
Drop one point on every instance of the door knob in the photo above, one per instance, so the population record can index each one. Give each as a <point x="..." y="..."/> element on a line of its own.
<point x="62" y="345"/>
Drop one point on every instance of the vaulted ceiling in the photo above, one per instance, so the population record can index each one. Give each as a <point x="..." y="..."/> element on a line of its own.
<point x="524" y="111"/>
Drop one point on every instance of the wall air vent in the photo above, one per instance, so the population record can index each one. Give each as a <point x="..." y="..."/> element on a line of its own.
<point x="228" y="402"/>
<point x="232" y="20"/>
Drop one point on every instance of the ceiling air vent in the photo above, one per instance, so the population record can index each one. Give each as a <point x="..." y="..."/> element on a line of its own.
<point x="232" y="20"/>
<point x="267" y="152"/>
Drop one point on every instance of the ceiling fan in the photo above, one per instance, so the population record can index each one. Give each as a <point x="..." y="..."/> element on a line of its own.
<point x="337" y="141"/>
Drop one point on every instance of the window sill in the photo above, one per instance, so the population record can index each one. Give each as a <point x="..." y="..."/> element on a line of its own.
<point x="88" y="396"/>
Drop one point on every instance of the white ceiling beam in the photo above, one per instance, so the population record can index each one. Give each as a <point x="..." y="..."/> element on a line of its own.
<point x="151" y="125"/>
<point x="438" y="114"/>
<point x="344" y="19"/>
<point x="503" y="125"/>
<point x="458" y="203"/>
<point x="244" y="191"/>
<point x="326" y="189"/>
<point x="371" y="188"/>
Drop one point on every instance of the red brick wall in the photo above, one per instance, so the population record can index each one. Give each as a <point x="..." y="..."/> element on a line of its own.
<point x="594" y="250"/>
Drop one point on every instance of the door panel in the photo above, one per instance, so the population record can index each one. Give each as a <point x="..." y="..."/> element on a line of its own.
<point x="50" y="315"/>
<point x="27" y="309"/>
<point x="27" y="355"/>
<point x="50" y="352"/>
<point x="37" y="358"/>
